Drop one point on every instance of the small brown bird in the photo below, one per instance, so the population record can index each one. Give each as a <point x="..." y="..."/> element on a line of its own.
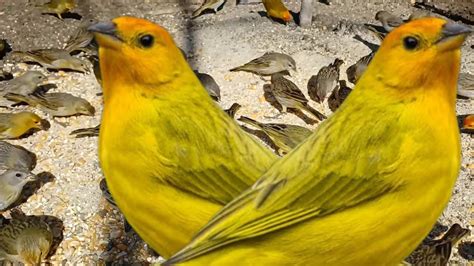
<point x="268" y="64"/>
<point x="210" y="85"/>
<point x="81" y="37"/>
<point x="355" y="71"/>
<point x="53" y="59"/>
<point x="420" y="13"/>
<point x="285" y="136"/>
<point x="12" y="182"/>
<point x="208" y="4"/>
<point x="86" y="132"/>
<point x="437" y="252"/>
<point x="233" y="109"/>
<point x="57" y="104"/>
<point x="96" y="67"/>
<point x="58" y="7"/>
<point x="16" y="157"/>
<point x="24" y="84"/>
<point x="388" y="20"/>
<point x="466" y="85"/>
<point x="15" y="125"/>
<point x="106" y="192"/>
<point x="25" y="239"/>
<point x="324" y="82"/>
<point x="290" y="96"/>
<point x="338" y="95"/>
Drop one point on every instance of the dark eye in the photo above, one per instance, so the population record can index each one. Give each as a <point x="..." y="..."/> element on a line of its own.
<point x="146" y="40"/>
<point x="410" y="43"/>
<point x="18" y="175"/>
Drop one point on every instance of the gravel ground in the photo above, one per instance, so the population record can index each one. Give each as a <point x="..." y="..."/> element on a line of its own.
<point x="93" y="230"/>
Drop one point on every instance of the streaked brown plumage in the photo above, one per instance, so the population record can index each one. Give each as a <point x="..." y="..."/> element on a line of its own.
<point x="86" y="132"/>
<point x="53" y="59"/>
<point x="325" y="81"/>
<point x="338" y="95"/>
<point x="208" y="4"/>
<point x="285" y="136"/>
<point x="232" y="110"/>
<point x="466" y="85"/>
<point x="81" y="37"/>
<point x="24" y="84"/>
<point x="290" y="96"/>
<point x="56" y="104"/>
<point x="25" y="239"/>
<point x="437" y="252"/>
<point x="16" y="157"/>
<point x="388" y="20"/>
<point x="355" y="71"/>
<point x="268" y="64"/>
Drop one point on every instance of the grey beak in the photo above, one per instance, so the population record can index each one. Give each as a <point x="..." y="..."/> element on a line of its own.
<point x="453" y="29"/>
<point x="107" y="28"/>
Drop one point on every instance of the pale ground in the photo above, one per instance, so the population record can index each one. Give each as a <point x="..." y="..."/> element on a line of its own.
<point x="215" y="43"/>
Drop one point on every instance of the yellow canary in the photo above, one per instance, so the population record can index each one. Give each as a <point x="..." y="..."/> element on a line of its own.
<point x="277" y="10"/>
<point x="58" y="7"/>
<point x="189" y="157"/>
<point x="15" y="125"/>
<point x="348" y="187"/>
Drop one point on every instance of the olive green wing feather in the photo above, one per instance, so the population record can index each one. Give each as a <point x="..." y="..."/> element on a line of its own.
<point x="215" y="169"/>
<point x="329" y="179"/>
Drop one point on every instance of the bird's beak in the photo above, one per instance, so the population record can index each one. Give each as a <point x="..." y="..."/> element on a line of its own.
<point x="31" y="177"/>
<point x="90" y="110"/>
<point x="106" y="34"/>
<point x="452" y="36"/>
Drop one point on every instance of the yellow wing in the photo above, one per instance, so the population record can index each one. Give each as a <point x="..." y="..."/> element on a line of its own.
<point x="318" y="178"/>
<point x="215" y="169"/>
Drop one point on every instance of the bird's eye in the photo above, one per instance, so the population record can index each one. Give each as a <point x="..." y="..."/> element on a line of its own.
<point x="18" y="175"/>
<point x="410" y="43"/>
<point x="146" y="40"/>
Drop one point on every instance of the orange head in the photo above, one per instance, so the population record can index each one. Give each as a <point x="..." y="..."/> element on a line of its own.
<point x="287" y="17"/>
<point x="432" y="48"/>
<point x="136" y="51"/>
<point x="468" y="122"/>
